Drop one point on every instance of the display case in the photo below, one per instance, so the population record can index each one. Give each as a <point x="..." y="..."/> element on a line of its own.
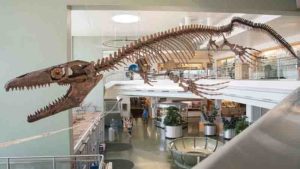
<point x="161" y="112"/>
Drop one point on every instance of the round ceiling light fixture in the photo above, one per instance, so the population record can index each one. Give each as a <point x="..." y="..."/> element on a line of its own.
<point x="125" y="18"/>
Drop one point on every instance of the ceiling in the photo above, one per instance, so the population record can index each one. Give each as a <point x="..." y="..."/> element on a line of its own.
<point x="99" y="23"/>
<point x="286" y="26"/>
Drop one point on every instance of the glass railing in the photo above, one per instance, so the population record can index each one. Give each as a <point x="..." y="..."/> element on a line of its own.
<point x="53" y="162"/>
<point x="276" y="68"/>
<point x="190" y="74"/>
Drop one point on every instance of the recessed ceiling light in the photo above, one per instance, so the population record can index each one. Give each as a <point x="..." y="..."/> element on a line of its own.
<point x="125" y="18"/>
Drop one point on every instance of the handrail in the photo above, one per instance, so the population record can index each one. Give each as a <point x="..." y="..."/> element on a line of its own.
<point x="98" y="157"/>
<point x="59" y="156"/>
<point x="87" y="132"/>
<point x="270" y="142"/>
<point x="91" y="127"/>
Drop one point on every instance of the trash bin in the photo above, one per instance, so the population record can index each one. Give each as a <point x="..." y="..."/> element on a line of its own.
<point x="111" y="134"/>
<point x="94" y="166"/>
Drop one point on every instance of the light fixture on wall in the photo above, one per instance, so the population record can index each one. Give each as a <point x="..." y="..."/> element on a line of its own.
<point x="125" y="18"/>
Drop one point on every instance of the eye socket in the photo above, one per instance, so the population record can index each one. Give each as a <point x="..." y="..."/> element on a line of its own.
<point x="58" y="73"/>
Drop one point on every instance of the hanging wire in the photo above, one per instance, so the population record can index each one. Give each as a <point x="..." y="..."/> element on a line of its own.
<point x="50" y="133"/>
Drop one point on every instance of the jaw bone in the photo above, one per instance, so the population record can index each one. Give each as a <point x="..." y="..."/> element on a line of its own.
<point x="79" y="75"/>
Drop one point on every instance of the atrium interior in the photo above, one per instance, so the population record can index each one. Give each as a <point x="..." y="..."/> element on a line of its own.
<point x="100" y="84"/>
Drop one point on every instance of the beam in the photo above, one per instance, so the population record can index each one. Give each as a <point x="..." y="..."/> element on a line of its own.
<point x="278" y="7"/>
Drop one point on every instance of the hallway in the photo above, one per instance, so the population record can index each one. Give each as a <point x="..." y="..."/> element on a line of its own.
<point x="147" y="148"/>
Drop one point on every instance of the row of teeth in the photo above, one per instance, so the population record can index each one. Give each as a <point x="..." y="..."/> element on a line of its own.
<point x="31" y="87"/>
<point x="28" y="87"/>
<point x="61" y="99"/>
<point x="51" y="105"/>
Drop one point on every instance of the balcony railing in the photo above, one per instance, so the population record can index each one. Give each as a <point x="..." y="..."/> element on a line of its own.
<point x="90" y="141"/>
<point x="53" y="162"/>
<point x="288" y="72"/>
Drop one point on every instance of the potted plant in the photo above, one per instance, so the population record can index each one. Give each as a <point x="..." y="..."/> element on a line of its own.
<point x="210" y="126"/>
<point x="229" y="127"/>
<point x="173" y="123"/>
<point x="241" y="124"/>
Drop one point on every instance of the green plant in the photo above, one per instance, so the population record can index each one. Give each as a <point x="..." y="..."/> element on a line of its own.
<point x="173" y="118"/>
<point x="241" y="124"/>
<point x="213" y="115"/>
<point x="229" y="123"/>
<point x="210" y="116"/>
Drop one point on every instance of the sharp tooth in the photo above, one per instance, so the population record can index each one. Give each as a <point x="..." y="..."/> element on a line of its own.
<point x="48" y="84"/>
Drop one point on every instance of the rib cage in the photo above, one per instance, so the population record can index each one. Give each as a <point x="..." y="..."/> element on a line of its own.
<point x="182" y="42"/>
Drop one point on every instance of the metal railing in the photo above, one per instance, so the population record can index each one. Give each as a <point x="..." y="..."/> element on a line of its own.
<point x="90" y="141"/>
<point x="53" y="162"/>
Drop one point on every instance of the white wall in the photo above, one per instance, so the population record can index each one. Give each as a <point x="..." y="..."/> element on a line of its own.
<point x="33" y="36"/>
<point x="89" y="49"/>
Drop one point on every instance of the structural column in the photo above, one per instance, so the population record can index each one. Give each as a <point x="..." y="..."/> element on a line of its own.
<point x="153" y="107"/>
<point x="249" y="113"/>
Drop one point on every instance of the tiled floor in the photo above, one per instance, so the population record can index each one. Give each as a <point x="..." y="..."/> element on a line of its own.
<point x="149" y="146"/>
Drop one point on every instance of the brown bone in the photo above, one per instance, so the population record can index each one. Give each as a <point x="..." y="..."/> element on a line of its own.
<point x="181" y="42"/>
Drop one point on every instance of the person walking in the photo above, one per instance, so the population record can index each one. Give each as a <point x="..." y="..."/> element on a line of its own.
<point x="145" y="115"/>
<point x="129" y="125"/>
